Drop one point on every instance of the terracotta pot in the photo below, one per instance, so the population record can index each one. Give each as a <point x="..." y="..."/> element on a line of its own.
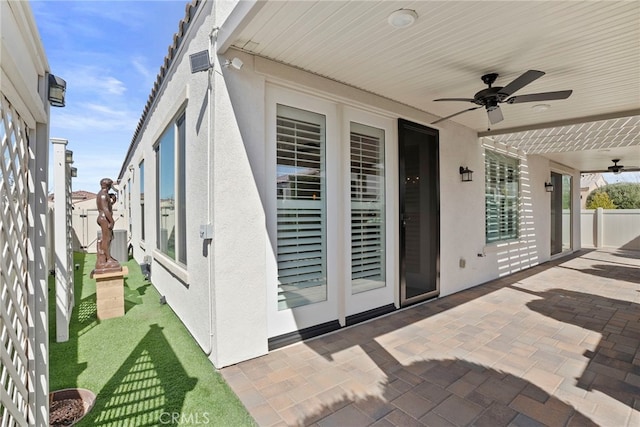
<point x="87" y="397"/>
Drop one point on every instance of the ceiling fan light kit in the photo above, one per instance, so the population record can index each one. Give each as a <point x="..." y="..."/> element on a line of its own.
<point x="492" y="96"/>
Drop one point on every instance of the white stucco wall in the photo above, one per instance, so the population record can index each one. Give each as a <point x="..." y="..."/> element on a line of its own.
<point x="186" y="288"/>
<point x="219" y="295"/>
<point x="225" y="305"/>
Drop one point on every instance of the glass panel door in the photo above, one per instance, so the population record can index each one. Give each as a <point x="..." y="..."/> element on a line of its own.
<point x="560" y="213"/>
<point x="419" y="212"/>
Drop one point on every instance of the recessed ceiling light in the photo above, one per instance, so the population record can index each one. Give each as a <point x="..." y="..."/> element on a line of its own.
<point x="402" y="18"/>
<point x="539" y="108"/>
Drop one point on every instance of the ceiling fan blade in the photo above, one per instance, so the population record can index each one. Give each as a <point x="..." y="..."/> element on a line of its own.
<point x="495" y="115"/>
<point x="454" y="114"/>
<point x="544" y="96"/>
<point x="456" y="99"/>
<point x="526" y="78"/>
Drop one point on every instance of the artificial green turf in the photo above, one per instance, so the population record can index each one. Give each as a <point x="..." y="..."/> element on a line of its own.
<point x="145" y="367"/>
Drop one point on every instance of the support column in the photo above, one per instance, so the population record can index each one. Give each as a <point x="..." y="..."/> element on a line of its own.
<point x="61" y="266"/>
<point x="38" y="279"/>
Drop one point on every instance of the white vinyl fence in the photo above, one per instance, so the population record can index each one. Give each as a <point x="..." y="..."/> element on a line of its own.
<point x="63" y="247"/>
<point x="611" y="228"/>
<point x="85" y="228"/>
<point x="23" y="299"/>
<point x="24" y="164"/>
<point x="14" y="328"/>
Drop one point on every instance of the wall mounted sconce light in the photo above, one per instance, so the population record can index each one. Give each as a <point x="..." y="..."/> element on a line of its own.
<point x="199" y="61"/>
<point x="56" y="92"/>
<point x="68" y="156"/>
<point x="548" y="187"/>
<point x="466" y="174"/>
<point x="74" y="172"/>
<point x="235" y="63"/>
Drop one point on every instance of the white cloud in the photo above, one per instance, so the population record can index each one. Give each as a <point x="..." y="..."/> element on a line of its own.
<point x="96" y="118"/>
<point x="146" y="72"/>
<point x="113" y="86"/>
<point x="92" y="80"/>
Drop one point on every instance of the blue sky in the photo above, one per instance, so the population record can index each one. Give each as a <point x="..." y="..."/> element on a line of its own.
<point x="109" y="53"/>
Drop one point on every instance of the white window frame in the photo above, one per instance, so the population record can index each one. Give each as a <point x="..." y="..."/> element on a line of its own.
<point x="180" y="231"/>
<point x="504" y="160"/>
<point x="141" y="196"/>
<point x="363" y="301"/>
<point x="284" y="321"/>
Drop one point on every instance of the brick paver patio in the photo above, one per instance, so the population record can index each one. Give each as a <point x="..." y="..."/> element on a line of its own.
<point x="558" y="344"/>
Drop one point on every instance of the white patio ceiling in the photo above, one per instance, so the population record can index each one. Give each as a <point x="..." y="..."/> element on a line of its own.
<point x="590" y="47"/>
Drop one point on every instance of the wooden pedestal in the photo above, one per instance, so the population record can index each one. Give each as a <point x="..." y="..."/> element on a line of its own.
<point x="110" y="293"/>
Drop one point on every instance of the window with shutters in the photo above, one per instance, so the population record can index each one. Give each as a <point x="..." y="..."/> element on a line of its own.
<point x="301" y="207"/>
<point x="367" y="208"/>
<point x="502" y="190"/>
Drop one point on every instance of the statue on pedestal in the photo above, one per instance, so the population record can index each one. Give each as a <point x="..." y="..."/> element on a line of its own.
<point x="105" y="263"/>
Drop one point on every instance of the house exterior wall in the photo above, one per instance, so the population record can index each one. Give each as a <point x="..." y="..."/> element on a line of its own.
<point x="219" y="294"/>
<point x="224" y="294"/>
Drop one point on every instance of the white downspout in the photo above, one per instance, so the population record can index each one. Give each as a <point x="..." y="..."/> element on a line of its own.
<point x="210" y="129"/>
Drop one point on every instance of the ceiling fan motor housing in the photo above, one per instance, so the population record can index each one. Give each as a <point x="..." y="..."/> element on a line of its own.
<point x="489" y="97"/>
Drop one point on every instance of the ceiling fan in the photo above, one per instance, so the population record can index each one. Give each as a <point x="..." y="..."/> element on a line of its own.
<point x="490" y="97"/>
<point x="616" y="168"/>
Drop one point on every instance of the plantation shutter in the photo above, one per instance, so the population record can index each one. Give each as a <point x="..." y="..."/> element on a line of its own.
<point x="301" y="207"/>
<point x="367" y="208"/>
<point x="501" y="197"/>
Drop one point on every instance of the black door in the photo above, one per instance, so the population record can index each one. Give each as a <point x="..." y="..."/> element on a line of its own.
<point x="556" y="214"/>
<point x="419" y="212"/>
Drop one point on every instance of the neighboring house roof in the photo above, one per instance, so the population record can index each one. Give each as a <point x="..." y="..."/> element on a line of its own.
<point x="77" y="196"/>
<point x="83" y="195"/>
<point x="592" y="180"/>
<point x="183" y="25"/>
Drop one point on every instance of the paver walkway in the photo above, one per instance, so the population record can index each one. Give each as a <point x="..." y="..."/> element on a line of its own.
<point x="558" y="344"/>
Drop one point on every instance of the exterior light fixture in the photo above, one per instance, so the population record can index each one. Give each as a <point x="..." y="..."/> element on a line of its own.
<point x="199" y="61"/>
<point x="548" y="187"/>
<point x="235" y="63"/>
<point x="402" y="18"/>
<point x="466" y="174"/>
<point x="74" y="172"/>
<point x="68" y="156"/>
<point x="56" y="92"/>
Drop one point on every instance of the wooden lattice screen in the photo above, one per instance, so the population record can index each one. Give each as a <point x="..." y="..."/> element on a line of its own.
<point x="14" y="197"/>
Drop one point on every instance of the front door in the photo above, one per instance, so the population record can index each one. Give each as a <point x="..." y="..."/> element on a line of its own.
<point x="419" y="212"/>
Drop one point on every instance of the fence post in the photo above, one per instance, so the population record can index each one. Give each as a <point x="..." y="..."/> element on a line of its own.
<point x="62" y="267"/>
<point x="38" y="273"/>
<point x="599" y="221"/>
